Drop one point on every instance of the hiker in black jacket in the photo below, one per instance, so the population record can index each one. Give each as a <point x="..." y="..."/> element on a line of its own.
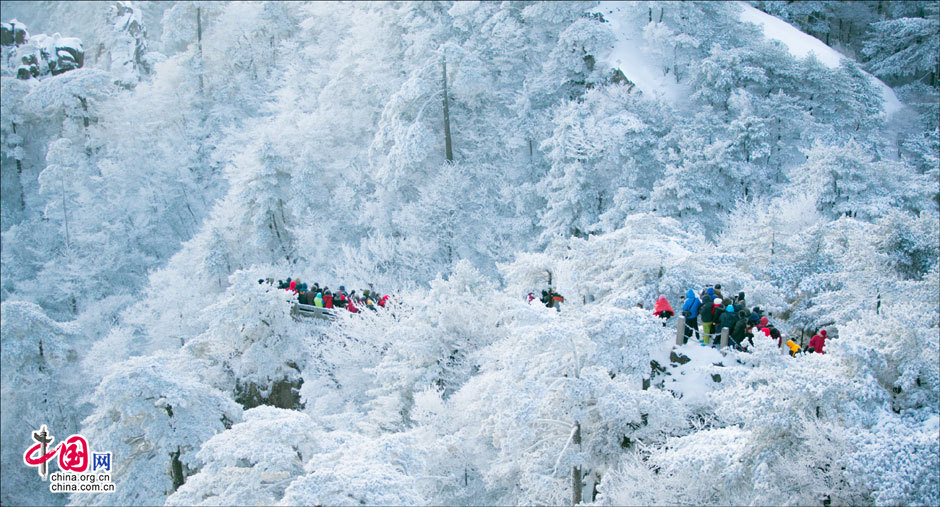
<point x="740" y="329"/>
<point x="727" y="320"/>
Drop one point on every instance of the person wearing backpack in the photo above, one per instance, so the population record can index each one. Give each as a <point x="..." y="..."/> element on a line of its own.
<point x="690" y="311"/>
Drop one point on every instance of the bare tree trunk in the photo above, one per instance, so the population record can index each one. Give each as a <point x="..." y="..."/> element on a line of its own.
<point x="176" y="469"/>
<point x="199" y="43"/>
<point x="19" y="179"/>
<point x="576" y="471"/>
<point x="448" y="151"/>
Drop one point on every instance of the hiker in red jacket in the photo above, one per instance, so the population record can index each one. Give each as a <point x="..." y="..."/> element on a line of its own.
<point x="817" y="342"/>
<point x="663" y="309"/>
<point x="327" y="299"/>
<point x="764" y="326"/>
<point x="351" y="306"/>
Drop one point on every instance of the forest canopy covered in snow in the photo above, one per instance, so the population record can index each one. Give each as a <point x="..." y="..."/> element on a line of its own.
<point x="160" y="159"/>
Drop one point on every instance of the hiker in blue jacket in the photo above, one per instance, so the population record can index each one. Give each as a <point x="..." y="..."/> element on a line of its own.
<point x="690" y="312"/>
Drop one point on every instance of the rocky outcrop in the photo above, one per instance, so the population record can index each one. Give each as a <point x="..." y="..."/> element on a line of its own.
<point x="39" y="55"/>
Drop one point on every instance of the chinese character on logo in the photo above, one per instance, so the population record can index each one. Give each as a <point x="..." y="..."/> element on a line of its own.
<point x="102" y="461"/>
<point x="73" y="453"/>
<point x="44" y="438"/>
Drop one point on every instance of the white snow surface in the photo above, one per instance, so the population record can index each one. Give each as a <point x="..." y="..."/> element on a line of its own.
<point x="627" y="55"/>
<point x="693" y="379"/>
<point x="801" y="44"/>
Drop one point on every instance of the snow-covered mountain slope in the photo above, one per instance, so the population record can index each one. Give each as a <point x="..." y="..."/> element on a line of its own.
<point x="630" y="52"/>
<point x="801" y="45"/>
<point x="307" y="140"/>
<point x="629" y="56"/>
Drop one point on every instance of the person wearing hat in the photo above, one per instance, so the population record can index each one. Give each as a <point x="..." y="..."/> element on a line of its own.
<point x="794" y="348"/>
<point x="690" y="311"/>
<point x="727" y="319"/>
<point x="764" y="326"/>
<point x="739" y="303"/>
<point x="662" y="309"/>
<point x="818" y="341"/>
<point x="755" y="316"/>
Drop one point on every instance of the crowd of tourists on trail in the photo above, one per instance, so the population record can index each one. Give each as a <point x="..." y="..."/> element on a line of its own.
<point x="323" y="297"/>
<point x="717" y="311"/>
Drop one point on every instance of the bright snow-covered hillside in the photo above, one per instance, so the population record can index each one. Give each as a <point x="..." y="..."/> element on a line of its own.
<point x="458" y="156"/>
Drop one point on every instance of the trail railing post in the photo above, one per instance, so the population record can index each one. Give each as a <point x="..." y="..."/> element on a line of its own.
<point x="576" y="470"/>
<point x="724" y="337"/>
<point x="680" y="333"/>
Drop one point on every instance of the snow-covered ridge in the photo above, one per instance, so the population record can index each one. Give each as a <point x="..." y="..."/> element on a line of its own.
<point x="801" y="44"/>
<point x="628" y="55"/>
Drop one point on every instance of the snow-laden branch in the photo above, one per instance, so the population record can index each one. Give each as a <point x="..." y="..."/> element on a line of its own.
<point x="574" y="429"/>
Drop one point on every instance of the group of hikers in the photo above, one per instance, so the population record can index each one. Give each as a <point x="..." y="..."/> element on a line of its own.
<point x="326" y="298"/>
<point x="549" y="298"/>
<point x="717" y="311"/>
